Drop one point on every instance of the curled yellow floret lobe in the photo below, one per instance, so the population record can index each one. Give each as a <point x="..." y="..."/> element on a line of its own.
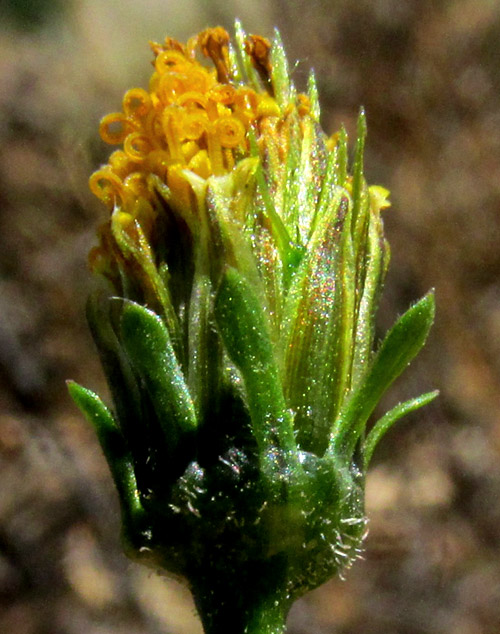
<point x="191" y="118"/>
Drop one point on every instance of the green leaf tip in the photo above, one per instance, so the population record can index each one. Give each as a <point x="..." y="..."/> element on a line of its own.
<point x="149" y="348"/>
<point x="400" y="346"/>
<point x="312" y="93"/>
<point x="114" y="447"/>
<point x="383" y="425"/>
<point x="405" y="339"/>
<point x="94" y="410"/>
<point x="283" y="89"/>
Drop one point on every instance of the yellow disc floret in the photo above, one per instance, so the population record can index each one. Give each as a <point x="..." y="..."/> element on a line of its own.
<point x="197" y="118"/>
<point x="191" y="118"/>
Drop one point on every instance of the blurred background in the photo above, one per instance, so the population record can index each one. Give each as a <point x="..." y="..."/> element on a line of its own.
<point x="428" y="74"/>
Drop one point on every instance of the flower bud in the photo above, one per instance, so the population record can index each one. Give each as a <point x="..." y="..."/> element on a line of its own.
<point x="245" y="263"/>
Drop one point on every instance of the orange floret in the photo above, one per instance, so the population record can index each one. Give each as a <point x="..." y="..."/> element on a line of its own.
<point x="192" y="117"/>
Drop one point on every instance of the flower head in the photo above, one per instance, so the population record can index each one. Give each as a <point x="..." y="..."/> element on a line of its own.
<point x="246" y="264"/>
<point x="195" y="121"/>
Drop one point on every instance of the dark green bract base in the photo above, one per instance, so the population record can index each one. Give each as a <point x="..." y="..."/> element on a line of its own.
<point x="237" y="545"/>
<point x="246" y="553"/>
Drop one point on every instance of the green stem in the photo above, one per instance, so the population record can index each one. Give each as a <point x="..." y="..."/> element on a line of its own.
<point x="242" y="606"/>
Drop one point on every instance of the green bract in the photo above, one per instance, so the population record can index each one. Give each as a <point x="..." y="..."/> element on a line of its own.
<point x="238" y="337"/>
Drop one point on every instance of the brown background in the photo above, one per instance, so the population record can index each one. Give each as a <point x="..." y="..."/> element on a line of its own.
<point x="428" y="73"/>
